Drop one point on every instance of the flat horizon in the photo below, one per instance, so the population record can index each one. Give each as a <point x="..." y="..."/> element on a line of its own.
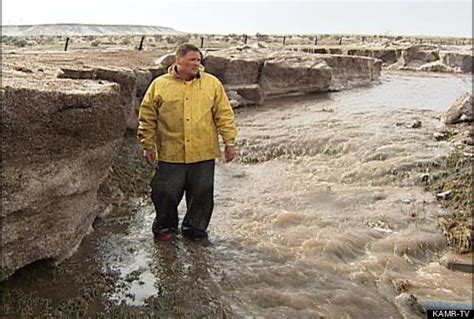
<point x="449" y="18"/>
<point x="271" y="34"/>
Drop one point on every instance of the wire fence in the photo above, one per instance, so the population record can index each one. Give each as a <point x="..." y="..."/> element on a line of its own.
<point x="141" y="42"/>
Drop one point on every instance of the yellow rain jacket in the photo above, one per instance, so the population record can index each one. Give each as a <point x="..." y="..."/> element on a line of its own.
<point x="181" y="120"/>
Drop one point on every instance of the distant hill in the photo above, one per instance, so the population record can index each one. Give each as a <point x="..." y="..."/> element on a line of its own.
<point x="84" y="29"/>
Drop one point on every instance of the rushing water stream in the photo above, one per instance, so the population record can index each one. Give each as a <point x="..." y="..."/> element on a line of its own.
<point x="323" y="215"/>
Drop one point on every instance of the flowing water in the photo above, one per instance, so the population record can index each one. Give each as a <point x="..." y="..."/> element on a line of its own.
<point x="321" y="216"/>
<point x="324" y="215"/>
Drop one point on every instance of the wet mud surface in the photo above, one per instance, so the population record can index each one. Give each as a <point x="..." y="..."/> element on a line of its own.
<point x="323" y="215"/>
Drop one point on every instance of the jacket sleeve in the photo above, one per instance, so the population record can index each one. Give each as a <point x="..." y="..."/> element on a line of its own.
<point x="224" y="116"/>
<point x="148" y="117"/>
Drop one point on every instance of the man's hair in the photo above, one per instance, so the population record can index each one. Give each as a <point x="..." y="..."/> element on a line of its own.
<point x="183" y="49"/>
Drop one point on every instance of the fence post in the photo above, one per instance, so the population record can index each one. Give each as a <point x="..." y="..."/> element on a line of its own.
<point x="202" y="42"/>
<point x="340" y="40"/>
<point x="316" y="40"/>
<point x="245" y="39"/>
<point x="284" y="40"/>
<point x="141" y="43"/>
<point x="67" y="43"/>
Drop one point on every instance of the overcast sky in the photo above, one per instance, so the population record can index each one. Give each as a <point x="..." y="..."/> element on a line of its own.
<point x="401" y="17"/>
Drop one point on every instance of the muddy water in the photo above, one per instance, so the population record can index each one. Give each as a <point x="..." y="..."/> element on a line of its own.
<point x="330" y="222"/>
<point x="322" y="216"/>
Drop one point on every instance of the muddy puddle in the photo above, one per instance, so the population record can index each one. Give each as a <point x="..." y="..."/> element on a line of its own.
<point x="323" y="215"/>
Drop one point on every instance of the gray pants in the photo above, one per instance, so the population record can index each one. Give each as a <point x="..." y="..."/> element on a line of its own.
<point x="170" y="182"/>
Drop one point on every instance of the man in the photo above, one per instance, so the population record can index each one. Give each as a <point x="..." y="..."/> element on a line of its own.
<point x="179" y="121"/>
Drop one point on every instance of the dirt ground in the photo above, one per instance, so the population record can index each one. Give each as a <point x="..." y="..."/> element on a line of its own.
<point x="42" y="63"/>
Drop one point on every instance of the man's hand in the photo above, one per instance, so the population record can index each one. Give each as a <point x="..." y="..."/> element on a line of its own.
<point x="229" y="153"/>
<point x="150" y="156"/>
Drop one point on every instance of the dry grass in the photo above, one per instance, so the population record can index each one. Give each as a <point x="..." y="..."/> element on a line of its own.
<point x="215" y="41"/>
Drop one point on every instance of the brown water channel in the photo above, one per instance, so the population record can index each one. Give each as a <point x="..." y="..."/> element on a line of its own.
<point x="323" y="215"/>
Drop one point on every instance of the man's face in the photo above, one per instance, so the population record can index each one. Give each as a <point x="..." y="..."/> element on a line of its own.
<point x="188" y="65"/>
